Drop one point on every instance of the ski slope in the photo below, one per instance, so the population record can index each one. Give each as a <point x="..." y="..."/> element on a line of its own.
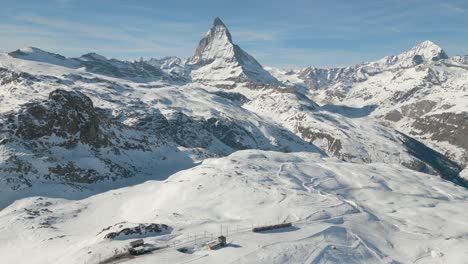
<point x="342" y="213"/>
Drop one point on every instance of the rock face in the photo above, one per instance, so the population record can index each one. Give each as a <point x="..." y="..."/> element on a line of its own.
<point x="220" y="62"/>
<point x="127" y="230"/>
<point x="444" y="127"/>
<point x="67" y="114"/>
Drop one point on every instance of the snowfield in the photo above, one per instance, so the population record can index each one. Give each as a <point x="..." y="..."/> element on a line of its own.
<point x="341" y="213"/>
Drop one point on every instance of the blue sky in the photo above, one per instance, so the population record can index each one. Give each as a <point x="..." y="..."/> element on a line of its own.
<point x="278" y="33"/>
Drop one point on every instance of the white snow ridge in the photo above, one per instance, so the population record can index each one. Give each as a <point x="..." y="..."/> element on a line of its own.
<point x="216" y="159"/>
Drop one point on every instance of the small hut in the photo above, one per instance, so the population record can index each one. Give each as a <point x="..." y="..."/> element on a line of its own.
<point x="222" y="241"/>
<point x="215" y="244"/>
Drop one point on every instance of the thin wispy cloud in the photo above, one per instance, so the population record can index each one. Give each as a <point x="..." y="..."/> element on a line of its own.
<point x="454" y="8"/>
<point x="108" y="34"/>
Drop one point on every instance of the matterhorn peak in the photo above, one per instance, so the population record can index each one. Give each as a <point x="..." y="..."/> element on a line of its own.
<point x="218" y="22"/>
<point x="216" y="43"/>
<point x="218" y="59"/>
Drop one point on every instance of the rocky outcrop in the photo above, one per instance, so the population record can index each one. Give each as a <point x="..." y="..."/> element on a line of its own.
<point x="67" y="114"/>
<point x="433" y="162"/>
<point x="66" y="140"/>
<point x="126" y="230"/>
<point x="445" y="127"/>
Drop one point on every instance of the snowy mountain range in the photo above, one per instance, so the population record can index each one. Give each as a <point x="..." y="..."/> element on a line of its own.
<point x="364" y="160"/>
<point x="421" y="92"/>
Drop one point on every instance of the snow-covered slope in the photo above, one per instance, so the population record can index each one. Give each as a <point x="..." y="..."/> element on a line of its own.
<point x="342" y="213"/>
<point x="221" y="63"/>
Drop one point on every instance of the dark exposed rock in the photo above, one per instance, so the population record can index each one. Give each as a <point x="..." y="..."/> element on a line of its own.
<point x="334" y="145"/>
<point x="66" y="114"/>
<point x="234" y="97"/>
<point x="188" y="132"/>
<point x="126" y="230"/>
<point x="7" y="77"/>
<point x="414" y="110"/>
<point x="442" y="165"/>
<point x="229" y="133"/>
<point x="445" y="127"/>
<point x="418" y="109"/>
<point x="71" y="173"/>
<point x="418" y="59"/>
<point x="201" y="133"/>
<point x="394" y="116"/>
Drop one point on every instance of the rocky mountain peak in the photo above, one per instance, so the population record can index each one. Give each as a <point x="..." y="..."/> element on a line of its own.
<point x="218" y="59"/>
<point x="426" y="51"/>
<point x="218" y="22"/>
<point x="217" y="43"/>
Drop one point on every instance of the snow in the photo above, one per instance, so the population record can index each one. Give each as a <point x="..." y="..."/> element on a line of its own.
<point x="35" y="54"/>
<point x="464" y="173"/>
<point x="342" y="212"/>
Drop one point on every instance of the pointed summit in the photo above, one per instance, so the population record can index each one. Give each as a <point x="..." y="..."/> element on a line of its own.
<point x="217" y="22"/>
<point x="426" y="51"/>
<point x="429" y="51"/>
<point x="216" y="43"/>
<point x="218" y="59"/>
